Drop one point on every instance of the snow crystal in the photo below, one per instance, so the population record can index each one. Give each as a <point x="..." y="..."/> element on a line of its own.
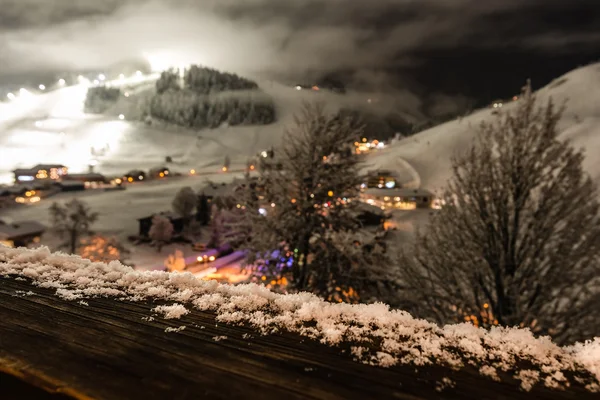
<point x="444" y="384"/>
<point x="489" y="371"/>
<point x="376" y="334"/>
<point x="174" y="330"/>
<point x="22" y="293"/>
<point x="528" y="379"/>
<point x="174" y="311"/>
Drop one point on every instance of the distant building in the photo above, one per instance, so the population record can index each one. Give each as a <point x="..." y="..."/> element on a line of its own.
<point x="89" y="180"/>
<point x="134" y="176"/>
<point x="40" y="172"/>
<point x="159" y="172"/>
<point x="381" y="179"/>
<point x="401" y="199"/>
<point x="20" y="234"/>
<point x="145" y="223"/>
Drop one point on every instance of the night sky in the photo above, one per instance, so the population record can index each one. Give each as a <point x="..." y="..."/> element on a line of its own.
<point x="441" y="53"/>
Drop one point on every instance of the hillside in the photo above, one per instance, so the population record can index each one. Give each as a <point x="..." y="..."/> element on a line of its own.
<point x="429" y="152"/>
<point x="184" y="324"/>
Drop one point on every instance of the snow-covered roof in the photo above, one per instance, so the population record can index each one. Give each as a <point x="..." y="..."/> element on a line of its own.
<point x="18" y="229"/>
<point x="375" y="334"/>
<point x="398" y="192"/>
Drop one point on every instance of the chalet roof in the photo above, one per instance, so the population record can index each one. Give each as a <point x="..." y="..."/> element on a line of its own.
<point x="37" y="167"/>
<point x="9" y="231"/>
<point x="221" y="189"/>
<point x="92" y="175"/>
<point x="398" y="192"/>
<point x="48" y="166"/>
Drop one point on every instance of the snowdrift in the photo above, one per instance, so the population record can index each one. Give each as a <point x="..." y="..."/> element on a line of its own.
<point x="373" y="334"/>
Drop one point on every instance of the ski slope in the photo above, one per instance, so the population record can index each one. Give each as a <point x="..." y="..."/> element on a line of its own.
<point x="430" y="151"/>
<point x="52" y="128"/>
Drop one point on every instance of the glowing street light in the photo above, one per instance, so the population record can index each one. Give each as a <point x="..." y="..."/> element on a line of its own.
<point x="102" y="77"/>
<point x="11" y="96"/>
<point x="42" y="87"/>
<point x="62" y="82"/>
<point x="121" y="117"/>
<point x="96" y="82"/>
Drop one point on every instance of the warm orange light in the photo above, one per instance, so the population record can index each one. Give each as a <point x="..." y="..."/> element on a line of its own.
<point x="252" y="167"/>
<point x="130" y="179"/>
<point x="211" y="258"/>
<point x="162" y="175"/>
<point x="192" y="171"/>
<point x="293" y="201"/>
<point x="330" y="193"/>
<point x="224" y="169"/>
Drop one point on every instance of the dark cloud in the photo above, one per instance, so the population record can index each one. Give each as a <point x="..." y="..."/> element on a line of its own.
<point x="376" y="43"/>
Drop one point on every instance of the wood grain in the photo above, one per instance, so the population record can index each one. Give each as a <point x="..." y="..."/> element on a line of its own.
<point x="107" y="351"/>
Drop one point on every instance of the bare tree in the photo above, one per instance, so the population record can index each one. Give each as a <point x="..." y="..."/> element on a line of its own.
<point x="517" y="242"/>
<point x="72" y="221"/>
<point x="302" y="224"/>
<point x="161" y="231"/>
<point x="185" y="203"/>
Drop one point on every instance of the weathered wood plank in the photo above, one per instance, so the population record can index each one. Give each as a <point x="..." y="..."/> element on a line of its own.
<point x="107" y="351"/>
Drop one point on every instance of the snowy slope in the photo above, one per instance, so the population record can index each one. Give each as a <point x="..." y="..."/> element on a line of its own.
<point x="429" y="152"/>
<point x="51" y="128"/>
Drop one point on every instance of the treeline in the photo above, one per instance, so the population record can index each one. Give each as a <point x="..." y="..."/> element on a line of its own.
<point x="100" y="98"/>
<point x="186" y="108"/>
<point x="198" y="100"/>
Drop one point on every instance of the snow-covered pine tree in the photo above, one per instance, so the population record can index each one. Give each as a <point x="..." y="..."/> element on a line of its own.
<point x="161" y="231"/>
<point x="518" y="240"/>
<point x="307" y="203"/>
<point x="72" y="221"/>
<point x="185" y="203"/>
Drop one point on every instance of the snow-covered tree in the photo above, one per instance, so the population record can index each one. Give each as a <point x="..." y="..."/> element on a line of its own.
<point x="308" y="206"/>
<point x="102" y="249"/>
<point x="161" y="231"/>
<point x="72" y="221"/>
<point x="185" y="203"/>
<point x="175" y="262"/>
<point x="216" y="229"/>
<point x="518" y="240"/>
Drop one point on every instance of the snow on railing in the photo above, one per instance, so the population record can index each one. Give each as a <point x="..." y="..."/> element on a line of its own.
<point x="373" y="333"/>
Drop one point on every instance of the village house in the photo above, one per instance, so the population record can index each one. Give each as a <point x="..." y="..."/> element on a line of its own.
<point x="40" y="172"/>
<point x="400" y="199"/>
<point x="20" y="234"/>
<point x="89" y="180"/>
<point x="381" y="179"/>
